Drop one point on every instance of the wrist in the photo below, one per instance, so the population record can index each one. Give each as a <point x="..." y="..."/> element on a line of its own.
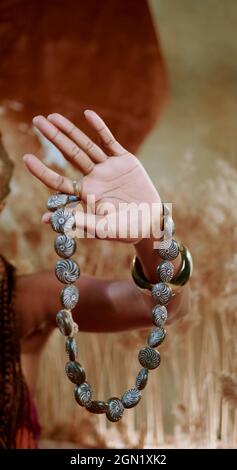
<point x="150" y="259"/>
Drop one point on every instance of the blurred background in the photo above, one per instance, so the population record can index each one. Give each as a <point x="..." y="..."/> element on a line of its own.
<point x="163" y="75"/>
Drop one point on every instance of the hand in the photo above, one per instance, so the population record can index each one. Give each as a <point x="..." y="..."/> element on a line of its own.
<point x="111" y="174"/>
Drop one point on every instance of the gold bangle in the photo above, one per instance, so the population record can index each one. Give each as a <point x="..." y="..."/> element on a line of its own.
<point x="181" y="278"/>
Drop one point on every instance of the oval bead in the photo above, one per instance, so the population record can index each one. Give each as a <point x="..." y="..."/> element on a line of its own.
<point x="115" y="409"/>
<point x="75" y="372"/>
<point x="71" y="348"/>
<point x="67" y="271"/>
<point x="64" y="322"/>
<point x="97" y="407"/>
<point x="161" y="293"/>
<point x="168" y="249"/>
<point x="131" y="398"/>
<point x="156" y="337"/>
<point x="62" y="220"/>
<point x="169" y="227"/>
<point x="56" y="201"/>
<point x="65" y="246"/>
<point x="149" y="358"/>
<point x="159" y="315"/>
<point x="69" y="297"/>
<point x="165" y="271"/>
<point x="142" y="378"/>
<point x="83" y="394"/>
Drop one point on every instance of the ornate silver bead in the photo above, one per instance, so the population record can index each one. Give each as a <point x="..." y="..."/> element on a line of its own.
<point x="97" y="407"/>
<point x="83" y="394"/>
<point x="142" y="378"/>
<point x="115" y="409"/>
<point x="62" y="220"/>
<point x="131" y="398"/>
<point x="67" y="271"/>
<point x="65" y="246"/>
<point x="69" y="297"/>
<point x="56" y="201"/>
<point x="149" y="358"/>
<point x="159" y="315"/>
<point x="169" y="227"/>
<point x="75" y="372"/>
<point x="165" y="271"/>
<point x="161" y="293"/>
<point x="156" y="336"/>
<point x="168" y="249"/>
<point x="71" y="348"/>
<point x="64" y="322"/>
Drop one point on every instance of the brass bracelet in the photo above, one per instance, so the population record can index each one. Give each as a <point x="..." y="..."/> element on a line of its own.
<point x="181" y="278"/>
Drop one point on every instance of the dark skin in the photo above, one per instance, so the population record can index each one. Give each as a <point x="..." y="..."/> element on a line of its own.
<point x="113" y="176"/>
<point x="116" y="306"/>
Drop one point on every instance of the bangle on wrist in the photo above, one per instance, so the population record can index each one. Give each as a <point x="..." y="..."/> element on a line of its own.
<point x="176" y="283"/>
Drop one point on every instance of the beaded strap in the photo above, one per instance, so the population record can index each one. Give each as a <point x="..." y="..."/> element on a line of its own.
<point x="67" y="272"/>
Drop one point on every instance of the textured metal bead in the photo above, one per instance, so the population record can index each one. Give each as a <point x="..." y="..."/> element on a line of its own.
<point x="75" y="372"/>
<point x="83" y="394"/>
<point x="115" y="409"/>
<point x="71" y="348"/>
<point x="165" y="271"/>
<point x="62" y="220"/>
<point x="155" y="337"/>
<point x="56" y="201"/>
<point x="161" y="293"/>
<point x="169" y="227"/>
<point x="131" y="398"/>
<point x="69" y="297"/>
<point x="142" y="378"/>
<point x="67" y="271"/>
<point x="168" y="249"/>
<point x="64" y="322"/>
<point x="149" y="358"/>
<point x="65" y="246"/>
<point x="97" y="407"/>
<point x="159" y="315"/>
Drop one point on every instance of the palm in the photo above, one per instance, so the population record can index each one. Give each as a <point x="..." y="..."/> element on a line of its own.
<point x="111" y="177"/>
<point x="111" y="182"/>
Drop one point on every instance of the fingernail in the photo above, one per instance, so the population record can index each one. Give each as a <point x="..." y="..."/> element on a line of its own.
<point x="36" y="119"/>
<point x="88" y="111"/>
<point x="49" y="116"/>
<point x="26" y="158"/>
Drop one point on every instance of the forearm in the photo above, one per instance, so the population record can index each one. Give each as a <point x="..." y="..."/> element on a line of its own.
<point x="103" y="305"/>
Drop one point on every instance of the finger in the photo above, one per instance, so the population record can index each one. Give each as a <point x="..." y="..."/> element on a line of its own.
<point x="46" y="218"/>
<point x="70" y="150"/>
<point x="106" y="135"/>
<point x="81" y="139"/>
<point x="50" y="178"/>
